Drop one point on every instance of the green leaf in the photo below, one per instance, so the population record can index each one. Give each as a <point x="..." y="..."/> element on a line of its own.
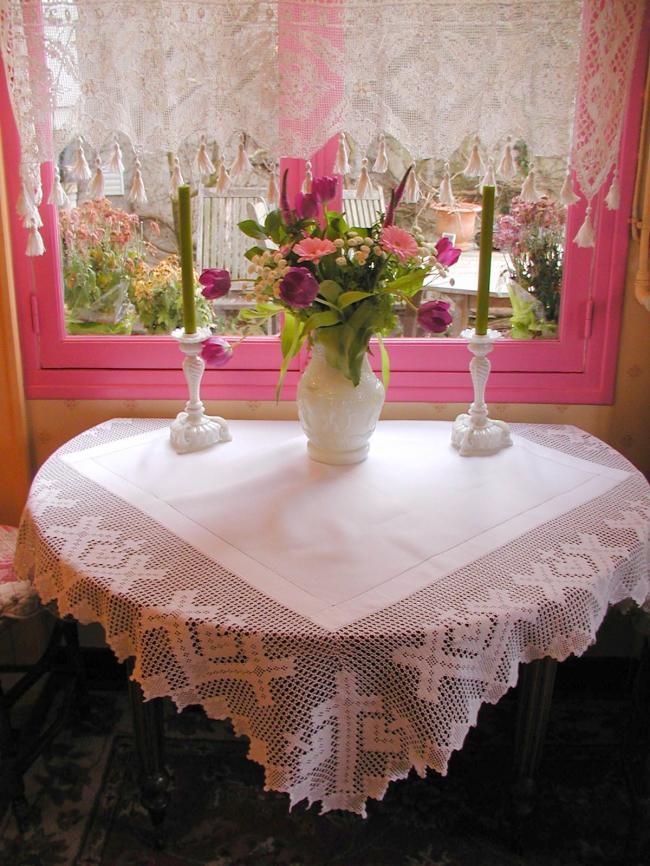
<point x="252" y="229"/>
<point x="253" y="251"/>
<point x="348" y="298"/>
<point x="321" y="320"/>
<point x="330" y="290"/>
<point x="288" y="333"/>
<point x="275" y="227"/>
<point x="296" y="342"/>
<point x="407" y="285"/>
<point x="260" y="312"/>
<point x="385" y="362"/>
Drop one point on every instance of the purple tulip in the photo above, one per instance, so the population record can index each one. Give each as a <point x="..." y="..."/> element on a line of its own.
<point x="298" y="287"/>
<point x="287" y="216"/>
<point x="306" y="205"/>
<point x="395" y="198"/>
<point x="434" y="316"/>
<point x="216" y="352"/>
<point x="446" y="253"/>
<point x="215" y="282"/>
<point x="324" y="188"/>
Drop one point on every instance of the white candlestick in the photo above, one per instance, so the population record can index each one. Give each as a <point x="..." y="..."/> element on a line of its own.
<point x="475" y="433"/>
<point x="193" y="429"/>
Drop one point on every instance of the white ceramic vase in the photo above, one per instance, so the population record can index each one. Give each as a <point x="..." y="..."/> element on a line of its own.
<point x="338" y="417"/>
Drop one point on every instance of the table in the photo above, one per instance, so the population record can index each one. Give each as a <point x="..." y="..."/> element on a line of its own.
<point x="350" y="621"/>
<point x="461" y="285"/>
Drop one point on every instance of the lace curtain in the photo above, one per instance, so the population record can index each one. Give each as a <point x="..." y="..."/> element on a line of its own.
<point x="291" y="73"/>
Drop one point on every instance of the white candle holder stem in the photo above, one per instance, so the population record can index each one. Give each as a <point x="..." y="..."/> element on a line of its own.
<point x="474" y="433"/>
<point x="193" y="430"/>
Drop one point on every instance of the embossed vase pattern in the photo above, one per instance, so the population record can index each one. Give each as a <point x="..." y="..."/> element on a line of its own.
<point x="338" y="417"/>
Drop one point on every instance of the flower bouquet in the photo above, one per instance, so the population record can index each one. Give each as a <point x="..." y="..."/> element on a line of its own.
<point x="102" y="249"/>
<point x="532" y="234"/>
<point x="338" y="285"/>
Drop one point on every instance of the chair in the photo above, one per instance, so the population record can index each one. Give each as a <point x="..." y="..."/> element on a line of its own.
<point x="363" y="212"/>
<point x="61" y="661"/>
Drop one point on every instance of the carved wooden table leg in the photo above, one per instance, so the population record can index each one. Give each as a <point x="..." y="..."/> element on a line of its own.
<point x="535" y="694"/>
<point x="149" y="741"/>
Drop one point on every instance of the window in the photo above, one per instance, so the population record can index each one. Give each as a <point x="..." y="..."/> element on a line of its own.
<point x="576" y="364"/>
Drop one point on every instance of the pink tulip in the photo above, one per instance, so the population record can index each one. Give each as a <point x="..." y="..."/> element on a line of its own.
<point x="298" y="287"/>
<point x="215" y="282"/>
<point x="216" y="352"/>
<point x="446" y="253"/>
<point x="434" y="316"/>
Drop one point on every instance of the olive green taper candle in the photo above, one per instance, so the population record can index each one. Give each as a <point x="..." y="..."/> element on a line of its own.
<point x="187" y="258"/>
<point x="485" y="261"/>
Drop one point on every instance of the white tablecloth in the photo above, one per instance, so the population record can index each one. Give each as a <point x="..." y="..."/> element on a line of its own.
<point x="349" y="620"/>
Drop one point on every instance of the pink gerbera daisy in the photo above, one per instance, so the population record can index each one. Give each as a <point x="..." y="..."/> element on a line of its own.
<point x="400" y="243"/>
<point x="313" y="249"/>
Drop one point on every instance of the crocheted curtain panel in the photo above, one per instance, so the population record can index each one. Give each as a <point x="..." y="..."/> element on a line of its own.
<point x="283" y="76"/>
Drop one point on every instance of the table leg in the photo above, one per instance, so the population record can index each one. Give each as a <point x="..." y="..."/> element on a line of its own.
<point x="461" y="303"/>
<point x="535" y="694"/>
<point x="150" y="748"/>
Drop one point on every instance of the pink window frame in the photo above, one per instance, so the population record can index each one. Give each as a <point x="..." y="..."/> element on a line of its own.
<point x="577" y="367"/>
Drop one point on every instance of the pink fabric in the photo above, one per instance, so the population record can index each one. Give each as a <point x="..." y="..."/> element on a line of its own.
<point x="8" y="538"/>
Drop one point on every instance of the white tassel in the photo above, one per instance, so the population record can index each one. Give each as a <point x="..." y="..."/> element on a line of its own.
<point x="203" y="165"/>
<point x="242" y="164"/>
<point x="176" y="179"/>
<point x="223" y="178"/>
<point x="364" y="187"/>
<point x="80" y="170"/>
<point x="567" y="194"/>
<point x="381" y="163"/>
<point x="342" y="163"/>
<point x="38" y="191"/>
<point x="26" y="208"/>
<point x="506" y="167"/>
<point x="489" y="178"/>
<point x="115" y="163"/>
<point x="272" y="193"/>
<point x="58" y="196"/>
<point x="137" y="194"/>
<point x="445" y="194"/>
<point x="309" y="178"/>
<point x="96" y="185"/>
<point x="613" y="197"/>
<point x="412" y="189"/>
<point x="474" y="167"/>
<point x="35" y="245"/>
<point x="529" y="192"/>
<point x="585" y="236"/>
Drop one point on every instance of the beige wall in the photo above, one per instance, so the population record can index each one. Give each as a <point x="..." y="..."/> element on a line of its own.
<point x="625" y="424"/>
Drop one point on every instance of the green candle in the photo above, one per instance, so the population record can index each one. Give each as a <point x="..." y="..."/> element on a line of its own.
<point x="485" y="261"/>
<point x="187" y="258"/>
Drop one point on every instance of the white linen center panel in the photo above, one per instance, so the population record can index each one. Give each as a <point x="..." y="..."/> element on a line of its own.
<point x="335" y="543"/>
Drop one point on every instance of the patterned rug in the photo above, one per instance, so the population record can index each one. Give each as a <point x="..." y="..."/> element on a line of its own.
<point x="86" y="809"/>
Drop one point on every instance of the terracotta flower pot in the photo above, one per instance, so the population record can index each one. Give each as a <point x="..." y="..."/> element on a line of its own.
<point x="459" y="220"/>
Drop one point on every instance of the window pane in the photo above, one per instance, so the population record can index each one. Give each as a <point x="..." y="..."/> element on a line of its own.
<point x="121" y="270"/>
<point x="528" y="249"/>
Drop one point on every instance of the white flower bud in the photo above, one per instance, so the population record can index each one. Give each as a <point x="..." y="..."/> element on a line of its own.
<point x="341" y="261"/>
<point x="339" y="242"/>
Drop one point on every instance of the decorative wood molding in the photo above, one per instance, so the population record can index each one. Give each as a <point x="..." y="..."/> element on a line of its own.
<point x="14" y="451"/>
<point x="641" y="206"/>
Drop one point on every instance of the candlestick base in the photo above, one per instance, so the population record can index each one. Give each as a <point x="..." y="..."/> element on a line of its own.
<point x="193" y="430"/>
<point x="474" y="433"/>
